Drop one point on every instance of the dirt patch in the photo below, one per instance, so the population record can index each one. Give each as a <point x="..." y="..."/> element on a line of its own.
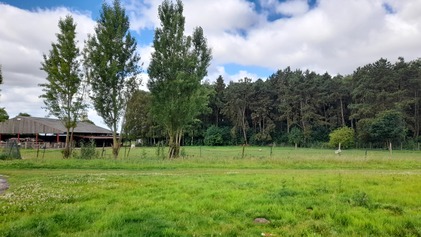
<point x="3" y="185"/>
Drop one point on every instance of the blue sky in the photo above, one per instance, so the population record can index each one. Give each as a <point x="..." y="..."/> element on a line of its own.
<point x="248" y="38"/>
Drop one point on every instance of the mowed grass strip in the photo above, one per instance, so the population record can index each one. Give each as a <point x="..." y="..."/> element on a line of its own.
<point x="206" y="196"/>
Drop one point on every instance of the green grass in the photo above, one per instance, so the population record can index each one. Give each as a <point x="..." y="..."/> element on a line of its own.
<point x="214" y="192"/>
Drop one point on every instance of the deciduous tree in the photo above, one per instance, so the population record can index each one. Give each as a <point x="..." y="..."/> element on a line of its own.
<point x="3" y="115"/>
<point x="63" y="92"/>
<point x="295" y="136"/>
<point x="344" y="136"/>
<point x="112" y="66"/>
<point x="388" y="127"/>
<point x="178" y="65"/>
<point x="138" y="121"/>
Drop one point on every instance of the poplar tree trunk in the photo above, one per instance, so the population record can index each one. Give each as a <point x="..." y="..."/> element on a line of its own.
<point x="174" y="144"/>
<point x="66" y="151"/>
<point x="116" y="145"/>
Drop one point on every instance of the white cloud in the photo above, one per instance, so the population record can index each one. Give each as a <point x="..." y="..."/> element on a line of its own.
<point x="216" y="71"/>
<point x="24" y="38"/>
<point x="143" y="14"/>
<point x="145" y="52"/>
<point x="335" y="36"/>
<point x="292" y="7"/>
<point x="221" y="16"/>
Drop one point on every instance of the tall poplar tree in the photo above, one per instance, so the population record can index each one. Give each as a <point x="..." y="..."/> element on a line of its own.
<point x="63" y="92"/>
<point x="112" y="66"/>
<point x="178" y="65"/>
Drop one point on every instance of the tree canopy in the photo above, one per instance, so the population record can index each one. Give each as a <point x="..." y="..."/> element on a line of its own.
<point x="343" y="137"/>
<point x="138" y="118"/>
<point x="380" y="102"/>
<point x="178" y="65"/>
<point x="3" y="115"/>
<point x="63" y="92"/>
<point x="315" y="105"/>
<point x="112" y="66"/>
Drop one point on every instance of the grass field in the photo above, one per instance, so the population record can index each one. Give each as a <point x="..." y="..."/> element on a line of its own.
<point x="214" y="192"/>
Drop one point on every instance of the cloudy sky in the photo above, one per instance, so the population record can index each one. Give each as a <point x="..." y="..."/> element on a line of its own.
<point x="248" y="38"/>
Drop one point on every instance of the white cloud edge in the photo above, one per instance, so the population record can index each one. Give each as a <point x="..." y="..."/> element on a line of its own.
<point x="391" y="34"/>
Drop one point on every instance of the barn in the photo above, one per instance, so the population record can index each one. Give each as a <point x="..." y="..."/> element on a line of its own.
<point x="32" y="131"/>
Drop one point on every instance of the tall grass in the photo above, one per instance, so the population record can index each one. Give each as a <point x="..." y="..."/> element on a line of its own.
<point x="225" y="157"/>
<point x="214" y="192"/>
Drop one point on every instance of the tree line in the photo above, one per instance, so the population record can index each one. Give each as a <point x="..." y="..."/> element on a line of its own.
<point x="380" y="102"/>
<point x="107" y="70"/>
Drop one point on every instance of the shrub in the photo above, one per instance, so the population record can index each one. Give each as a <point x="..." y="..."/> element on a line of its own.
<point x="295" y="136"/>
<point x="88" y="150"/>
<point x="3" y="156"/>
<point x="344" y="136"/>
<point x="216" y="136"/>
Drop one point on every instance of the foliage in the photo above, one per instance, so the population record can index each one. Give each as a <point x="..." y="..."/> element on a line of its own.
<point x="87" y="150"/>
<point x="24" y="114"/>
<point x="3" y="115"/>
<point x="10" y="150"/>
<point x="388" y="126"/>
<point x="216" y="102"/>
<point x="178" y="65"/>
<point x="112" y="66"/>
<point x="295" y="136"/>
<point x="138" y="118"/>
<point x="238" y="99"/>
<point x="160" y="153"/>
<point x="344" y="136"/>
<point x="375" y="89"/>
<point x="214" y="136"/>
<point x="262" y="109"/>
<point x="64" y="93"/>
<point x="363" y="130"/>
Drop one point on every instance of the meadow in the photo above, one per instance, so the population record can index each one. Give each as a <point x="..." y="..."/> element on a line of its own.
<point x="214" y="191"/>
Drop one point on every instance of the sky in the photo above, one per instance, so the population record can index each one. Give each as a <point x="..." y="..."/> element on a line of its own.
<point x="249" y="38"/>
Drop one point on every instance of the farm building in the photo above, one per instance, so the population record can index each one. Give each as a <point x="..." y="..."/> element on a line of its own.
<point x="50" y="131"/>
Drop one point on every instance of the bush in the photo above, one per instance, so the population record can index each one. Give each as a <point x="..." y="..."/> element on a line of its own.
<point x="344" y="136"/>
<point x="295" y="136"/>
<point x="4" y="156"/>
<point x="10" y="151"/>
<point x="216" y="136"/>
<point x="88" y="150"/>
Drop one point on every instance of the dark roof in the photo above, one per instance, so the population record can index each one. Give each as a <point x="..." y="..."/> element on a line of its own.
<point x="33" y="125"/>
